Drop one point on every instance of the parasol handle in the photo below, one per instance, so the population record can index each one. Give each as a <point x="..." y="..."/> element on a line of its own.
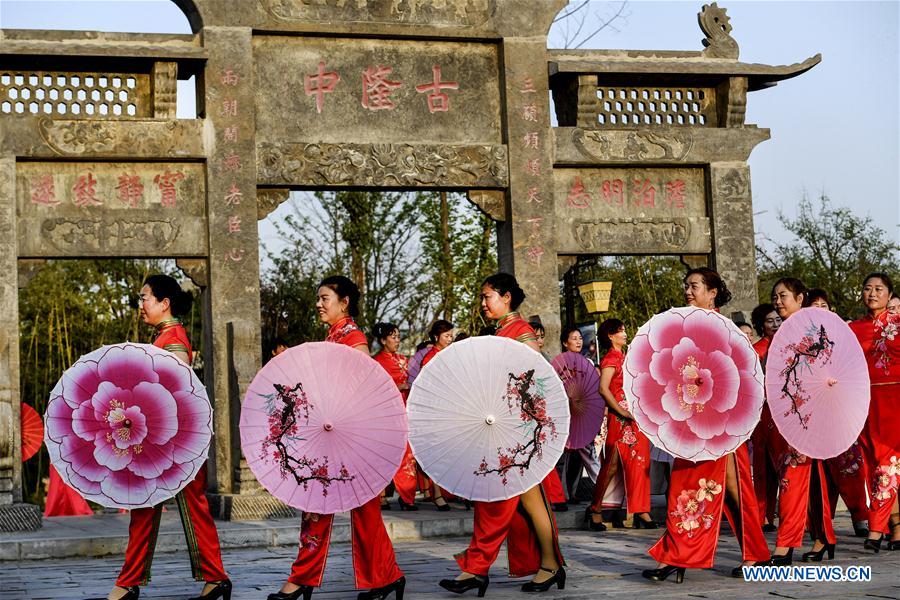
<point x="328" y="426"/>
<point x="490" y="419"/>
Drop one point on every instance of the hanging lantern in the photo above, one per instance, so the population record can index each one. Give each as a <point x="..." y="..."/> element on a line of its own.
<point x="596" y="295"/>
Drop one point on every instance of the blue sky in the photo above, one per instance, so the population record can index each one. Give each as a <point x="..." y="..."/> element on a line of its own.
<point x="834" y="129"/>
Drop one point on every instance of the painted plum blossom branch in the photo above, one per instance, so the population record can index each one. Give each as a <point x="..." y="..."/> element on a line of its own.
<point x="814" y="346"/>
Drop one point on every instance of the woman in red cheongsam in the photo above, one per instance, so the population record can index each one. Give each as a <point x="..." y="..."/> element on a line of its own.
<point x="803" y="501"/>
<point x="766" y="322"/>
<point x="532" y="540"/>
<point x="627" y="451"/>
<point x="879" y="335"/>
<point x="700" y="492"/>
<point x="397" y="366"/>
<point x="845" y="474"/>
<point x="373" y="554"/>
<point x="162" y="303"/>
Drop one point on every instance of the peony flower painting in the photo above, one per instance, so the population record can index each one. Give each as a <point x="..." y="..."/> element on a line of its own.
<point x="128" y="426"/>
<point x="694" y="383"/>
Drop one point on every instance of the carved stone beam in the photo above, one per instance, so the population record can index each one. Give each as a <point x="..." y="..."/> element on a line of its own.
<point x="694" y="261"/>
<point x="564" y="262"/>
<point x="588" y="103"/>
<point x="195" y="269"/>
<point x="491" y="202"/>
<point x="268" y="199"/>
<point x="731" y="101"/>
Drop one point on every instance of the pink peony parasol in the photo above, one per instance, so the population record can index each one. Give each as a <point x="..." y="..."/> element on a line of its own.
<point x="586" y="405"/>
<point x="128" y="426"/>
<point x="323" y="427"/>
<point x="488" y="418"/>
<point x="694" y="383"/>
<point x="817" y="383"/>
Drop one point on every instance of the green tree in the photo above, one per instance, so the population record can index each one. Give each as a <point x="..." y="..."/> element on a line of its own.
<point x="832" y="249"/>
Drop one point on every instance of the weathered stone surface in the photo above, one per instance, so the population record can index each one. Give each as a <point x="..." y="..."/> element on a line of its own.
<point x="196" y="269"/>
<point x="491" y="202"/>
<point x="416" y="12"/>
<point x="376" y="91"/>
<point x="382" y="165"/>
<point x="111" y="209"/>
<point x="732" y="220"/>
<point x="268" y="199"/>
<point x="44" y="137"/>
<point x="662" y="235"/>
<point x="659" y="145"/>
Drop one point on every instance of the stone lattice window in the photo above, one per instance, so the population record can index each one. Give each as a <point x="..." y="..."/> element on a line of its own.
<point x="75" y="95"/>
<point x="627" y="106"/>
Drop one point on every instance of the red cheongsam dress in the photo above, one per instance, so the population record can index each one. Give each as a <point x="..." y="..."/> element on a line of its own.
<point x="397" y="366"/>
<point x="199" y="528"/>
<point x="695" y="505"/>
<point x="765" y="475"/>
<point x="374" y="563"/>
<point x="624" y="442"/>
<point x="880" y="438"/>
<point x="503" y="520"/>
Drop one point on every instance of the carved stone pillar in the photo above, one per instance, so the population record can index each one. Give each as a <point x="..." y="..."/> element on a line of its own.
<point x="734" y="253"/>
<point x="14" y="516"/>
<point x="528" y="239"/>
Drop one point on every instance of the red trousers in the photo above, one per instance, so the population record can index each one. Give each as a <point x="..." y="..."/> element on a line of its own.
<point x="880" y="441"/>
<point x="697" y="499"/>
<point x="374" y="563"/>
<point x="846" y="476"/>
<point x="63" y="501"/>
<point x="803" y="501"/>
<point x="553" y="488"/>
<point x="632" y="449"/>
<point x="506" y="520"/>
<point x="765" y="474"/>
<point x="199" y="529"/>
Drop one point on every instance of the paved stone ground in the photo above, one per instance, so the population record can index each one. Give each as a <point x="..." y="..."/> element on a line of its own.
<point x="600" y="564"/>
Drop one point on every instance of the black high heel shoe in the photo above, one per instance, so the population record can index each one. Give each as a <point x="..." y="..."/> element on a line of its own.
<point x="663" y="573"/>
<point x="404" y="506"/>
<point x="558" y="578"/>
<point x="893" y="544"/>
<point x="782" y="560"/>
<point x="441" y="507"/>
<point x="460" y="586"/>
<point x="738" y="571"/>
<point x="593" y="525"/>
<point x="816" y="556"/>
<point x="874" y="545"/>
<point x="381" y="593"/>
<point x="304" y="590"/>
<point x="638" y="523"/>
<point x="222" y="590"/>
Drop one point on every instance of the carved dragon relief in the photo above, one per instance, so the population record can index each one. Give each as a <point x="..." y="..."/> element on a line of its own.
<point x="75" y="137"/>
<point x="634" y="145"/>
<point x="716" y="24"/>
<point x="413" y="165"/>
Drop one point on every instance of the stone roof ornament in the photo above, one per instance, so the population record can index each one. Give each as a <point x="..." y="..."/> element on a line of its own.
<point x="717" y="27"/>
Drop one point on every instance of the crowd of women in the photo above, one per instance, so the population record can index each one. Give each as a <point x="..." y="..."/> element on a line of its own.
<point x="763" y="478"/>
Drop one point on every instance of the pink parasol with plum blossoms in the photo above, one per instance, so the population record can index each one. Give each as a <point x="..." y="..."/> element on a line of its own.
<point x="128" y="425"/>
<point x="323" y="427"/>
<point x="694" y="383"/>
<point x="586" y="406"/>
<point x="817" y="383"/>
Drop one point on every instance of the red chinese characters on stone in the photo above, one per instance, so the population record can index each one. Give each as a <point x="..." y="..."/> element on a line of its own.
<point x="438" y="101"/>
<point x="43" y="192"/>
<point x="321" y="83"/>
<point x="528" y="86"/>
<point x="232" y="162"/>
<point x="675" y="194"/>
<point x="166" y="183"/>
<point x="235" y="255"/>
<point x="229" y="77"/>
<point x="85" y="191"/>
<point x="234" y="224"/>
<point x="377" y="88"/>
<point x="531" y="140"/>
<point x="530" y="112"/>
<point x="533" y="167"/>
<point x="234" y="195"/>
<point x="230" y="134"/>
<point x="229" y="108"/>
<point x="130" y="190"/>
<point x="534" y="195"/>
<point x="534" y="255"/>
<point x="644" y="193"/>
<point x="578" y="196"/>
<point x="613" y="191"/>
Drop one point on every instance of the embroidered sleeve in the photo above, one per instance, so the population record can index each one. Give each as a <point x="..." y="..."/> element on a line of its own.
<point x="176" y="348"/>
